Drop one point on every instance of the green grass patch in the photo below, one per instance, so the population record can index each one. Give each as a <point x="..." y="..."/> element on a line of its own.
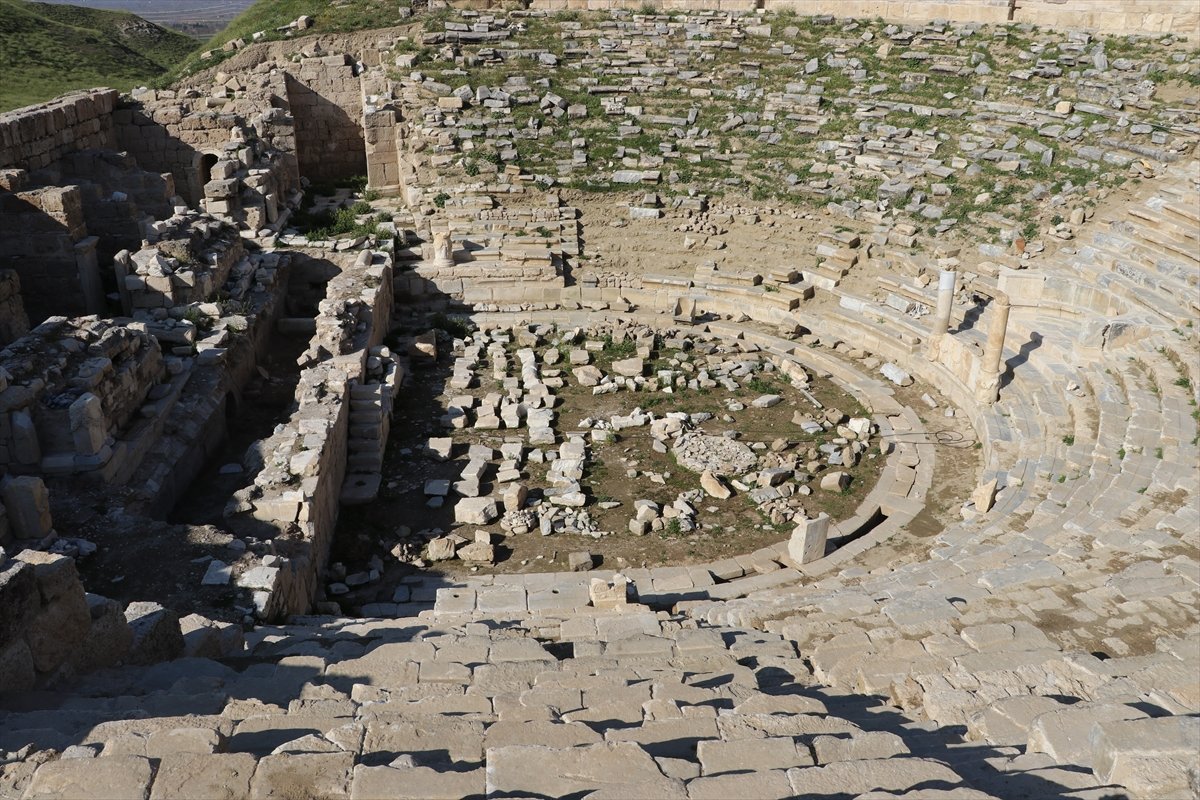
<point x="48" y="49"/>
<point x="268" y="15"/>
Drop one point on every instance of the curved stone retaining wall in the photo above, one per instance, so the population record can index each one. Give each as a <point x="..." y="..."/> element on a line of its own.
<point x="1130" y="16"/>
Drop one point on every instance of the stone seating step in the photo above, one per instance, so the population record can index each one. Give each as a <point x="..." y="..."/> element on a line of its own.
<point x="457" y="712"/>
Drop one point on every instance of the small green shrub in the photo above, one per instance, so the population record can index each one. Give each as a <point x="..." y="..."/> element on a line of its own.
<point x="455" y="326"/>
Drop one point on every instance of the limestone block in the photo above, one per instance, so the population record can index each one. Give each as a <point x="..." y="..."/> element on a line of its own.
<point x="200" y="775"/>
<point x="896" y="375"/>
<point x="476" y="511"/>
<point x="606" y="594"/>
<point x="441" y="549"/>
<point x="1149" y="757"/>
<point x="19" y="599"/>
<point x="514" y="497"/>
<point x="764" y="785"/>
<point x="857" y="777"/>
<point x="835" y="481"/>
<point x="480" y="552"/>
<point x="372" y="782"/>
<point x="549" y="772"/>
<point x="1065" y="734"/>
<point x="206" y="638"/>
<point x="58" y="629"/>
<point x="26" y="446"/>
<point x="808" y="539"/>
<point x="759" y="755"/>
<point x="859" y="747"/>
<point x="28" y="505"/>
<point x="587" y="375"/>
<point x="156" y="633"/>
<point x="302" y="775"/>
<point x="56" y="574"/>
<point x="984" y="496"/>
<point x="108" y="638"/>
<point x="16" y="667"/>
<point x="629" y="367"/>
<point x="714" y="486"/>
<point x="460" y="739"/>
<point x="106" y="776"/>
<point x="259" y="578"/>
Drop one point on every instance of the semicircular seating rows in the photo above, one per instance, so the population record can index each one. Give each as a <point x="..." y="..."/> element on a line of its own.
<point x="1046" y="648"/>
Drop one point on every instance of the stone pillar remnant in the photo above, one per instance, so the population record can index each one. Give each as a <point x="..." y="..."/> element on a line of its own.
<point x="945" y="302"/>
<point x="808" y="539"/>
<point x="987" y="387"/>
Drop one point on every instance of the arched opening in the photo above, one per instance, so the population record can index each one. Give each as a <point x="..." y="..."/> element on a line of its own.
<point x="207" y="161"/>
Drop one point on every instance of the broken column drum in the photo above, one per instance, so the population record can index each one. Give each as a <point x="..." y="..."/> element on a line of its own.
<point x="945" y="303"/>
<point x="987" y="387"/>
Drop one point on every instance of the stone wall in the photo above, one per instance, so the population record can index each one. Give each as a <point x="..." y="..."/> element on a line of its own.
<point x="37" y="136"/>
<point x="120" y="199"/>
<point x="46" y="243"/>
<point x="172" y="134"/>
<point x="50" y="628"/>
<point x="69" y="389"/>
<point x="13" y="322"/>
<point x="326" y="103"/>
<point x="295" y="495"/>
<point x="1129" y="16"/>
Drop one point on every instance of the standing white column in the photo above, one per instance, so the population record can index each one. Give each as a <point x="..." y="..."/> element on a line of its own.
<point x="947" y="279"/>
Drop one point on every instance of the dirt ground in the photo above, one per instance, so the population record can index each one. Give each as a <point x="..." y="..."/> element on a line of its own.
<point x="729" y="527"/>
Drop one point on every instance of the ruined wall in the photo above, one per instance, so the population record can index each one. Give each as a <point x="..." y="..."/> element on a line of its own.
<point x="326" y="103"/>
<point x="13" y="321"/>
<point x="117" y="196"/>
<point x="296" y="494"/>
<point x="36" y="137"/>
<point x="1129" y="16"/>
<point x="170" y="133"/>
<point x="46" y="243"/>
<point x="189" y="263"/>
<point x="49" y="627"/>
<point x="161" y="137"/>
<point x="72" y="389"/>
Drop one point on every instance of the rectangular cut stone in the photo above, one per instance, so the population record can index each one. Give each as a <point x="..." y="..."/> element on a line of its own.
<point x="808" y="540"/>
<point x="551" y="772"/>
<point x="106" y="776"/>
<point x="759" y="755"/>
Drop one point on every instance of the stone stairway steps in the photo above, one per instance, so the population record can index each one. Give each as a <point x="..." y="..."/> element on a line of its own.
<point x="471" y="711"/>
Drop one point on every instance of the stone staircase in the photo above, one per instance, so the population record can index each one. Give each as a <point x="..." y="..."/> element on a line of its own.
<point x="1149" y="252"/>
<point x="655" y="706"/>
<point x="1070" y="605"/>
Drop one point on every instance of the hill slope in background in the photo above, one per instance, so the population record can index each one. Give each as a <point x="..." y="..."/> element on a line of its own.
<point x="270" y="15"/>
<point x="48" y="49"/>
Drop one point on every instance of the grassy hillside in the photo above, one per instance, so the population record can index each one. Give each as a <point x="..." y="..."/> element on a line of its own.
<point x="48" y="49"/>
<point x="268" y="15"/>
